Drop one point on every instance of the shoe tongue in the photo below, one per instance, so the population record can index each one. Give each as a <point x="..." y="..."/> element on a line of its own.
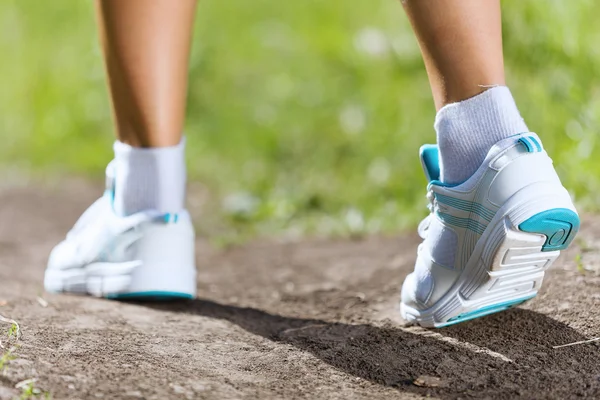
<point x="430" y="161"/>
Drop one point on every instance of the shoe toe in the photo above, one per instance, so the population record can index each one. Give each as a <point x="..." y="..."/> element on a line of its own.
<point x="408" y="294"/>
<point x="416" y="289"/>
<point x="62" y="256"/>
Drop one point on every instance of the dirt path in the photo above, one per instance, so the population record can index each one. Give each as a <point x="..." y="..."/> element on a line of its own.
<point x="313" y="319"/>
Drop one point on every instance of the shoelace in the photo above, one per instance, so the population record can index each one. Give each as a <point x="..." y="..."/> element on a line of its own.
<point x="423" y="228"/>
<point x="89" y="223"/>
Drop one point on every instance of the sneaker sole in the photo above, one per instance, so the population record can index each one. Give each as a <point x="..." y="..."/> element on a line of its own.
<point x="157" y="295"/>
<point x="520" y="252"/>
<point x="115" y="281"/>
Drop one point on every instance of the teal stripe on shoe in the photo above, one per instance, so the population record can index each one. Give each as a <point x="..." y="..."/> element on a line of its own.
<point x="171" y="218"/>
<point x="528" y="145"/>
<point x="465" y="205"/>
<point x="531" y="144"/>
<point x="466" y="223"/>
<point x="537" y="144"/>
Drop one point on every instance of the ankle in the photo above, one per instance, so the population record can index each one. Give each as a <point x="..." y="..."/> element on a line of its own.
<point x="149" y="179"/>
<point x="468" y="129"/>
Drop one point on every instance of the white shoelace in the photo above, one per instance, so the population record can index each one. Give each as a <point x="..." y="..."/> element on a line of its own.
<point x="423" y="228"/>
<point x="97" y="221"/>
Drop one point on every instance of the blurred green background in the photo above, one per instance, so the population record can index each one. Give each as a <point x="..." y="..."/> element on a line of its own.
<point x="304" y="118"/>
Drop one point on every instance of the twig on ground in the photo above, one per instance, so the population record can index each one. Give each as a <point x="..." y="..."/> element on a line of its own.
<point x="576" y="343"/>
<point x="42" y="302"/>
<point x="24" y="383"/>
<point x="290" y="330"/>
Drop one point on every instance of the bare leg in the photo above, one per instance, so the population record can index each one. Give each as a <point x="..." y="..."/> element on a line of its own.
<point x="146" y="45"/>
<point x="461" y="42"/>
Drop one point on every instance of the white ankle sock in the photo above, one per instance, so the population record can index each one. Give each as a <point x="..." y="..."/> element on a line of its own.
<point x="467" y="130"/>
<point x="149" y="179"/>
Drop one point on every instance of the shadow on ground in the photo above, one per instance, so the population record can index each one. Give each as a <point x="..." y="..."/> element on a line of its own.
<point x="317" y="329"/>
<point x="392" y="356"/>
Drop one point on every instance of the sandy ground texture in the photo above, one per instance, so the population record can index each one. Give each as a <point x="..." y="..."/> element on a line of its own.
<point x="310" y="319"/>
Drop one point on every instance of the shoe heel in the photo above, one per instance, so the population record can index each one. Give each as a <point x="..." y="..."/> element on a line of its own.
<point x="517" y="269"/>
<point x="559" y="225"/>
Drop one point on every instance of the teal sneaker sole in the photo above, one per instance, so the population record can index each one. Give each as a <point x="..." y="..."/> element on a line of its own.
<point x="487" y="310"/>
<point x="151" y="296"/>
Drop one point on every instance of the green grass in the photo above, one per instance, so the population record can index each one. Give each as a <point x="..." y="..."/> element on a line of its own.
<point x="7" y="350"/>
<point x="29" y="391"/>
<point x="6" y="357"/>
<point x="291" y="122"/>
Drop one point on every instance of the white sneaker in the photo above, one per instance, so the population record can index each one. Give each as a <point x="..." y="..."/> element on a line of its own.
<point x="145" y="255"/>
<point x="488" y="241"/>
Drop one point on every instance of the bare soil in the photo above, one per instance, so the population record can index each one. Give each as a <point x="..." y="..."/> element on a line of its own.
<point x="313" y="319"/>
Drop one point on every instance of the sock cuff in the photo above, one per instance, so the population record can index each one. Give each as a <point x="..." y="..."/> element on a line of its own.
<point x="121" y="148"/>
<point x="149" y="178"/>
<point x="468" y="129"/>
<point x="493" y="111"/>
